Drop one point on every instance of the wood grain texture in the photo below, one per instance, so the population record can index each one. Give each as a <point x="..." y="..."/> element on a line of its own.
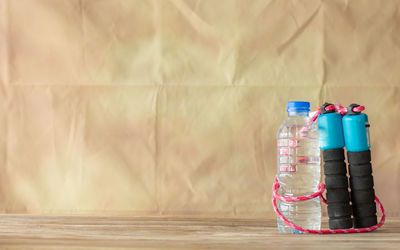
<point x="50" y="232"/>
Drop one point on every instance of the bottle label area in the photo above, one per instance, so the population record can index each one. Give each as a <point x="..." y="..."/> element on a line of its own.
<point x="288" y="168"/>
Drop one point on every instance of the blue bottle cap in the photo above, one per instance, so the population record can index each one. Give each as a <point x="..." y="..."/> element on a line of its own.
<point x="298" y="106"/>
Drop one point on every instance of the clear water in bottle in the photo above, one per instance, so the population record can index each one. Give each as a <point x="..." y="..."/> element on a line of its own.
<point x="299" y="170"/>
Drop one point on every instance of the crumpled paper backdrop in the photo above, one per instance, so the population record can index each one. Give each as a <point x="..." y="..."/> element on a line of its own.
<point x="172" y="107"/>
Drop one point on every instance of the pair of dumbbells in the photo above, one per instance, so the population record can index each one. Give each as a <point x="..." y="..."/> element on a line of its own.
<point x="345" y="207"/>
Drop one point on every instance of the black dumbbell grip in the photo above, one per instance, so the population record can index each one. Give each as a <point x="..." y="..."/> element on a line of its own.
<point x="337" y="195"/>
<point x="362" y="189"/>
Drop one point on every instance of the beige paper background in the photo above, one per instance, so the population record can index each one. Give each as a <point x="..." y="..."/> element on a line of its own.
<point x="171" y="108"/>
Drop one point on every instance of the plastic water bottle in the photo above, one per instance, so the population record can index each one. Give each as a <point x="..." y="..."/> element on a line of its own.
<point x="299" y="170"/>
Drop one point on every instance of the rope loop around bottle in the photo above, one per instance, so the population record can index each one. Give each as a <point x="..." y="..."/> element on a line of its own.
<point x="321" y="189"/>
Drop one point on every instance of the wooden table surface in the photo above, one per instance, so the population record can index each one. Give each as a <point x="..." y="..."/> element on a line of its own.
<point x="56" y="232"/>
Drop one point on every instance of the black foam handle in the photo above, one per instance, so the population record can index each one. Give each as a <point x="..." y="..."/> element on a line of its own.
<point x="337" y="189"/>
<point x="362" y="189"/>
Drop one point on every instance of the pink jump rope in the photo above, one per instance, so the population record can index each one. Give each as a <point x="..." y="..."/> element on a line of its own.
<point x="354" y="122"/>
